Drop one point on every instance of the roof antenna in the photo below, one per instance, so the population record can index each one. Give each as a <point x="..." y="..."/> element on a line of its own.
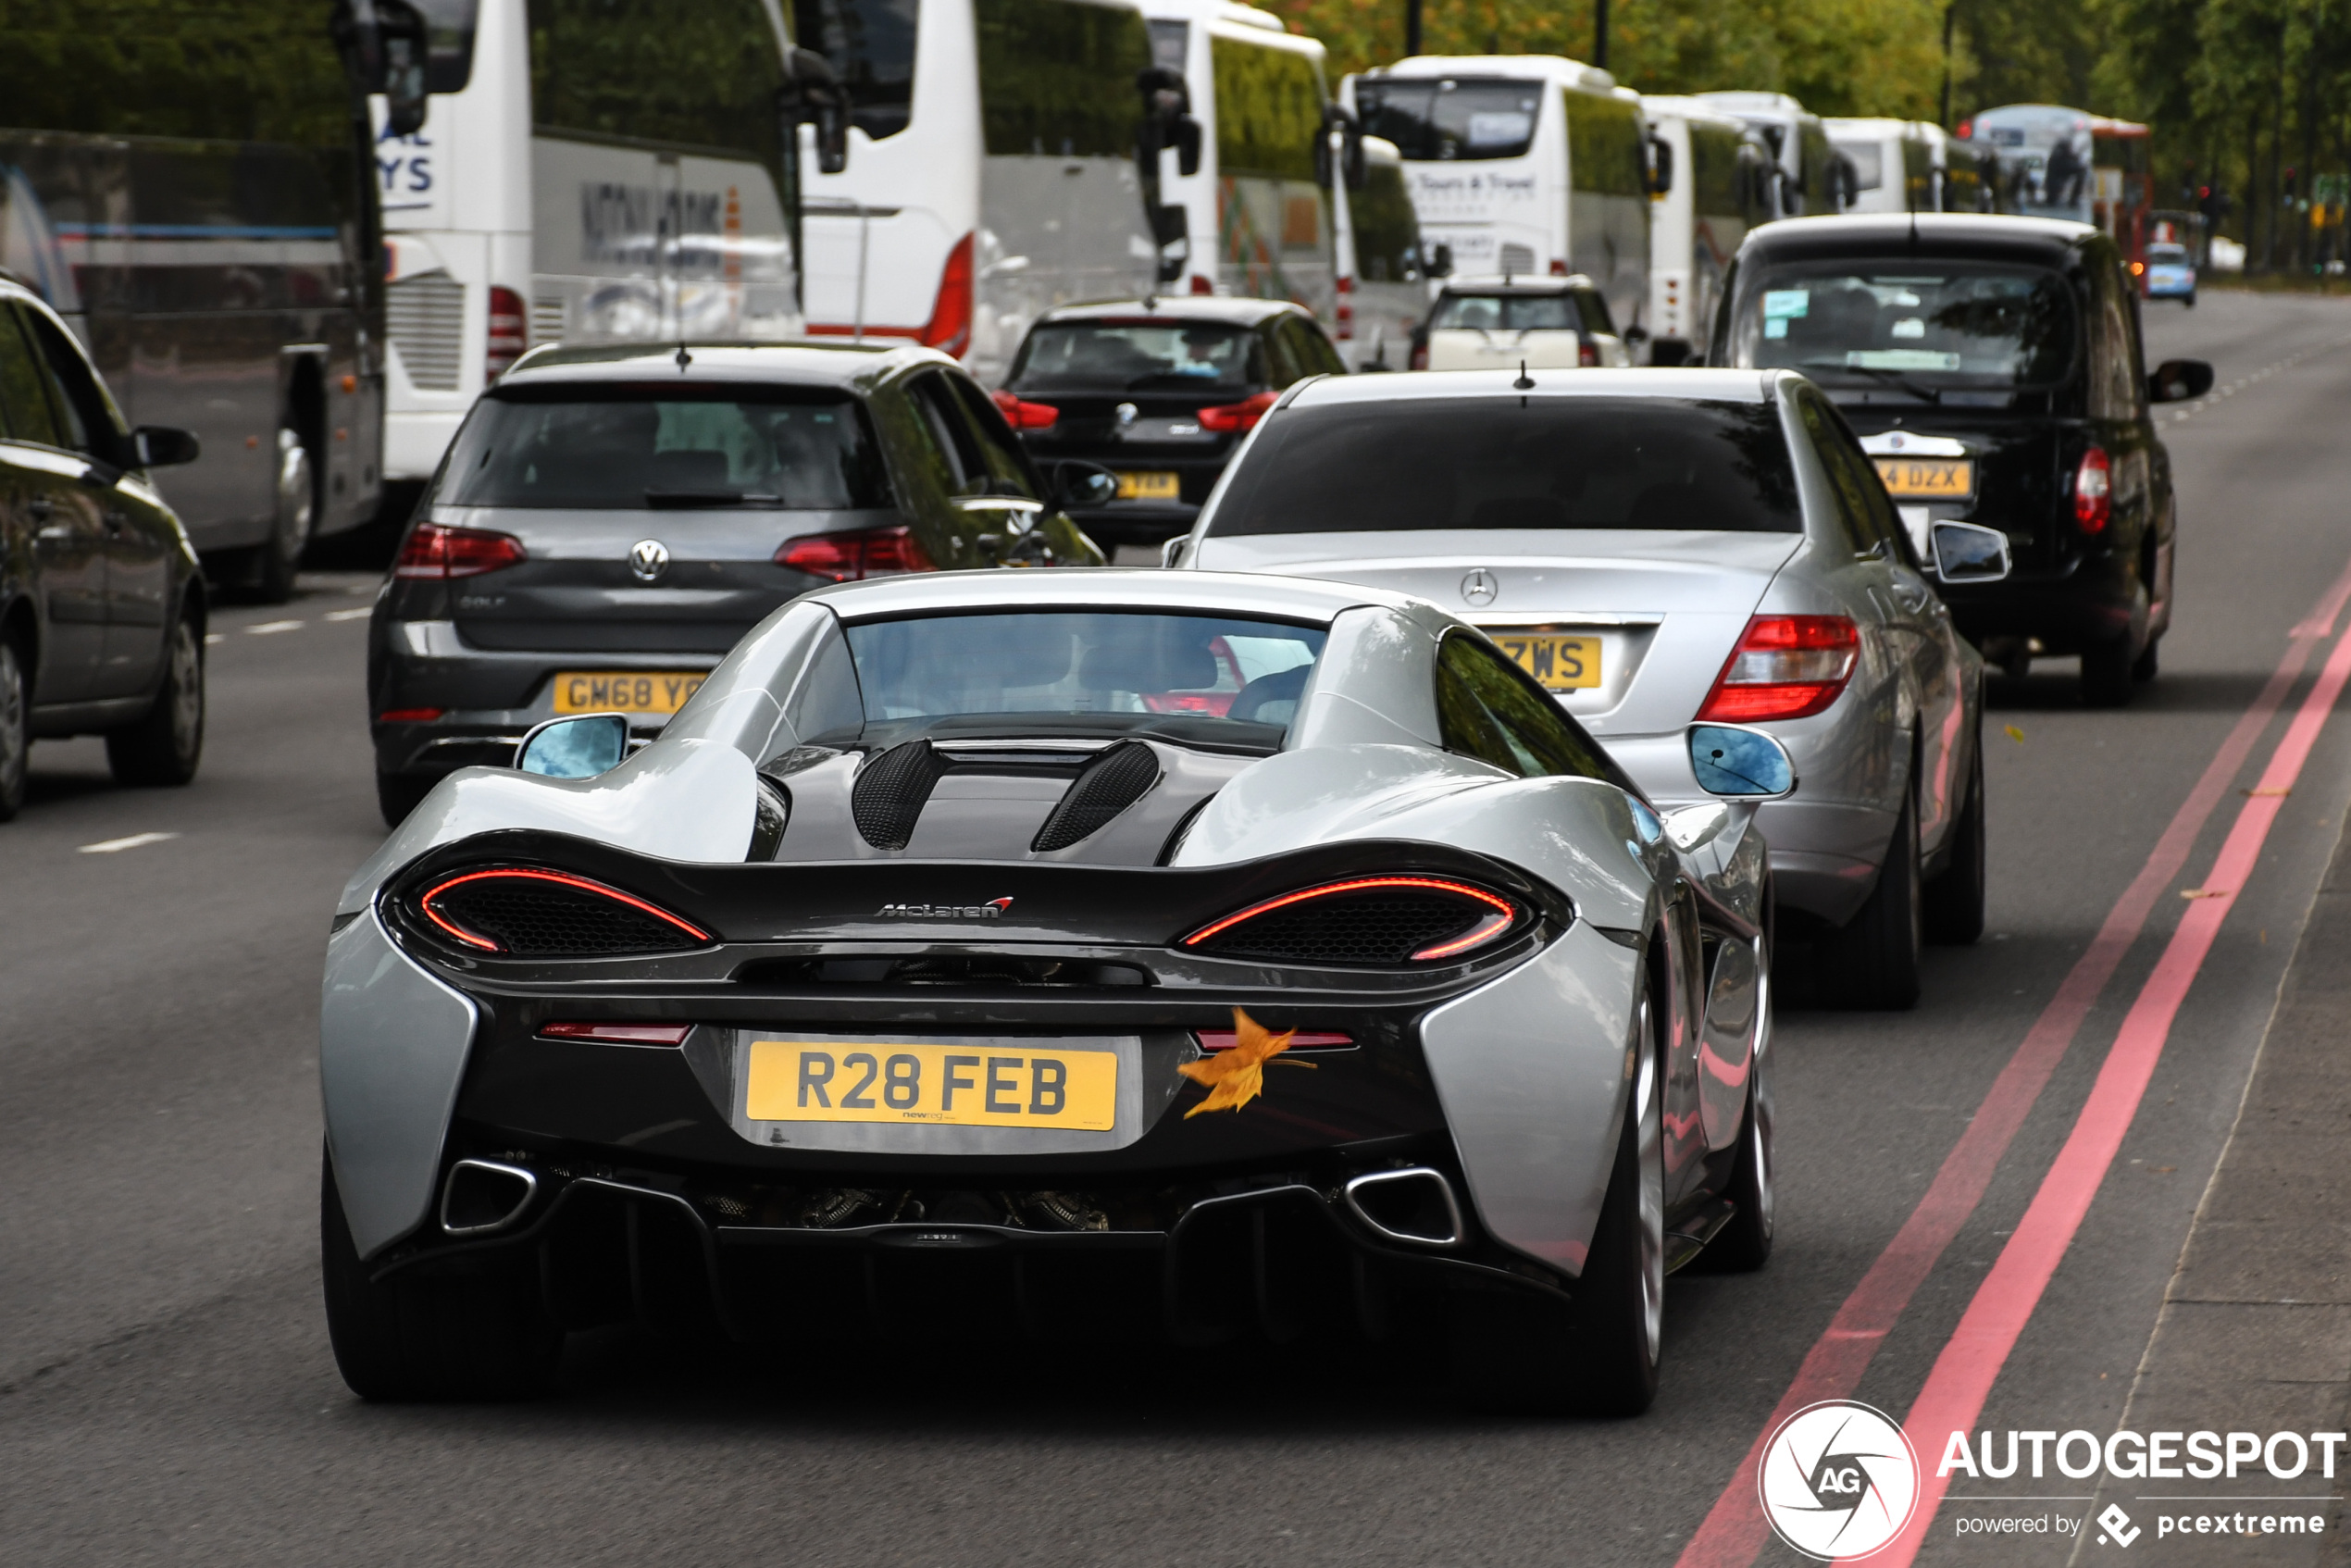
<point x="684" y="359"/>
<point x="1525" y="382"/>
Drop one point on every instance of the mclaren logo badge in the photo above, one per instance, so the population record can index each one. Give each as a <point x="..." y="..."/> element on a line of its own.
<point x="992" y="910"/>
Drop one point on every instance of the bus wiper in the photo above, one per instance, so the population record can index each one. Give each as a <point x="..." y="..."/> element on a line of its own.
<point x="1895" y="379"/>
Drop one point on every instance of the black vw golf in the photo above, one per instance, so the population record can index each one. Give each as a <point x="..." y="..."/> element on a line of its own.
<point x="1992" y="367"/>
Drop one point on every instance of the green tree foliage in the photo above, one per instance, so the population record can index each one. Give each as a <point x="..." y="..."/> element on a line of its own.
<point x="1058" y="76"/>
<point x="255" y="70"/>
<point x="1269" y="108"/>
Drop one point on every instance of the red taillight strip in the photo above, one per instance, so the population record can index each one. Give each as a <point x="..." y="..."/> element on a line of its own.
<point x="1484" y="930"/>
<point x="620" y="1034"/>
<point x="1502" y="906"/>
<point x="470" y="939"/>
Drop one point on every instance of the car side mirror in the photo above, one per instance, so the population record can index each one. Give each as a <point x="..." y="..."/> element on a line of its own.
<point x="577" y="746"/>
<point x="2177" y="380"/>
<point x="1971" y="553"/>
<point x="165" y="446"/>
<point x="1693" y="827"/>
<point x="1079" y="483"/>
<point x="1739" y="763"/>
<point x="1661" y="166"/>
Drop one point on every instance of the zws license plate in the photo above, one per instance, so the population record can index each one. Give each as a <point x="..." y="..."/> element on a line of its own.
<point x="1561" y="664"/>
<point x="625" y="691"/>
<point x="1150" y="487"/>
<point x="1005" y="1085"/>
<point x="1927" y="477"/>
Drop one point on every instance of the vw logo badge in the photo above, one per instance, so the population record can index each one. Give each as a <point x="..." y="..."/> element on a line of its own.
<point x="648" y="560"/>
<point x="1480" y="587"/>
<point x="1126" y="413"/>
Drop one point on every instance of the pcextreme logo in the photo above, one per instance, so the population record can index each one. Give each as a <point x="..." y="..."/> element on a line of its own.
<point x="992" y="910"/>
<point x="1838" y="1480"/>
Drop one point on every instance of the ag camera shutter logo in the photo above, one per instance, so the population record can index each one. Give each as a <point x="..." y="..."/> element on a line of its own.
<point x="1839" y="1480"/>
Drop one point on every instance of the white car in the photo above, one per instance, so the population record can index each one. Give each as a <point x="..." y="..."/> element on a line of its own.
<point x="1501" y="323"/>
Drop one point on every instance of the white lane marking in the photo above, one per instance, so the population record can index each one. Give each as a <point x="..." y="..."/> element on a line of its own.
<point x="351" y="615"/>
<point x="263" y="628"/>
<point x="2188" y="410"/>
<point x="212" y="637"/>
<point x="110" y="846"/>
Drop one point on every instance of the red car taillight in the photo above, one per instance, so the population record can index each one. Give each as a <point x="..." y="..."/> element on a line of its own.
<point x="1420" y="354"/>
<point x="1227" y="418"/>
<point x="2093" y="492"/>
<point x="1027" y="415"/>
<point x="409" y="715"/>
<point x="1343" y="317"/>
<point x="855" y="556"/>
<point x="1786" y="667"/>
<point x="620" y="1034"/>
<point x="550" y="914"/>
<point x="1587" y="354"/>
<point x="949" y="328"/>
<point x="509" y="334"/>
<point x="1364" y="920"/>
<point x="431" y="551"/>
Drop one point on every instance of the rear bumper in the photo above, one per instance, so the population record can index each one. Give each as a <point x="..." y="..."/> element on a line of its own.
<point x="2091" y="599"/>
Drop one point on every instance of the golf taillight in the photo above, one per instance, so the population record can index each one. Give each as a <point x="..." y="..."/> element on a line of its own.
<point x="525" y="913"/>
<point x="856" y="554"/>
<point x="1786" y="667"/>
<point x="1226" y="417"/>
<point x="620" y="1034"/>
<point x="1382" y="921"/>
<point x="509" y="334"/>
<point x="432" y="551"/>
<point x="2094" y="492"/>
<point x="1023" y="415"/>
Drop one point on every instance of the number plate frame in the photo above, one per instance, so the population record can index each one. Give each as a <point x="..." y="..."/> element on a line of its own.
<point x="1151" y="485"/>
<point x="1541" y="655"/>
<point x="1927" y="479"/>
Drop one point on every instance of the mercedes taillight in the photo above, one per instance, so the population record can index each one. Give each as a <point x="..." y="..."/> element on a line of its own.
<point x="1786" y="667"/>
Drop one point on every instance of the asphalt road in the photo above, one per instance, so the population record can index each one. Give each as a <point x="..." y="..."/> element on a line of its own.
<point x="167" y="1394"/>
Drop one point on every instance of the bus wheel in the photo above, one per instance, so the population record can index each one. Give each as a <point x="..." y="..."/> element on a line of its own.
<point x="297" y="508"/>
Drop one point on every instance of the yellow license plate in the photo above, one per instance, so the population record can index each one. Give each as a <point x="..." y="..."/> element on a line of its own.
<point x="1150" y="487"/>
<point x="1932" y="477"/>
<point x="1561" y="664"/>
<point x="1005" y="1085"/>
<point x="625" y="691"/>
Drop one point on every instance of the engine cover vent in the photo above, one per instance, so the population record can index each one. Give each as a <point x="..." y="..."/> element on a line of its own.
<point x="891" y="790"/>
<point x="1112" y="782"/>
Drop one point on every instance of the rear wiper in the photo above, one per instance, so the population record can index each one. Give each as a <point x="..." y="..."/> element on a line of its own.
<point x="1177" y="376"/>
<point x="1895" y="379"/>
<point x="669" y="498"/>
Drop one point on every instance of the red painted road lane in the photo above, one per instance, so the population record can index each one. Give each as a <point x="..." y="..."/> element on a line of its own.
<point x="1733" y="1531"/>
<point x="1964" y="1373"/>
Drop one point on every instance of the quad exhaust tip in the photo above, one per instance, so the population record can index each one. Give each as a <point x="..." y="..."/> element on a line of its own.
<point x="485" y="1196"/>
<point x="1414" y="1205"/>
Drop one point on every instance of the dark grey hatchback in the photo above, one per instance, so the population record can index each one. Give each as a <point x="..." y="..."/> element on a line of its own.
<point x="610" y="521"/>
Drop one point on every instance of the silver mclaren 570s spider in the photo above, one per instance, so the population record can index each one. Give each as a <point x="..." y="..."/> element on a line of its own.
<point x="1068" y="955"/>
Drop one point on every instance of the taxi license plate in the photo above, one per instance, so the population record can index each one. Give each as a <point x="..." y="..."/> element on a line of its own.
<point x="1561" y="664"/>
<point x="1005" y="1085"/>
<point x="1150" y="487"/>
<point x="1931" y="478"/>
<point x="625" y="691"/>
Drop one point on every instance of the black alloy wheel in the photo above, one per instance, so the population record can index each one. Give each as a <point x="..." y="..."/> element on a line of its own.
<point x="1873" y="963"/>
<point x="1954" y="905"/>
<point x="1744" y="1244"/>
<point x="1599" y="1357"/>
<point x="16" y="731"/>
<point x="471" y="1338"/>
<point x="166" y="744"/>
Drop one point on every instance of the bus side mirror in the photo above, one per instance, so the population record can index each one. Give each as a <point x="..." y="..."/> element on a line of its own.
<point x="383" y="42"/>
<point x="1187" y="135"/>
<point x="813" y="95"/>
<point x="1341" y="139"/>
<point x="1661" y="166"/>
<point x="1440" y="261"/>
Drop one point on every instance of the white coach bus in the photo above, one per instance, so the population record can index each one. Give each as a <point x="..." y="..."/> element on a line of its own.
<point x="991" y="171"/>
<point x="596" y="169"/>
<point x="1720" y="188"/>
<point x="1811" y="179"/>
<point x="1522" y="164"/>
<point x="1257" y="211"/>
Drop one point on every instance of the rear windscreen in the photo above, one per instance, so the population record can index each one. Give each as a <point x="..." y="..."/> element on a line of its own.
<point x="1929" y="323"/>
<point x="1137" y="355"/>
<point x="631" y="447"/>
<point x="1508" y="462"/>
<point x="1505" y="313"/>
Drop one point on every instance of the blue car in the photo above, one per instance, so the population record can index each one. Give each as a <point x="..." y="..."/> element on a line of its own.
<point x="2170" y="275"/>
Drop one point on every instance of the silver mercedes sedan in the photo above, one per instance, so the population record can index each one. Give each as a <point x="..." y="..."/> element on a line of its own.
<point x="1659" y="548"/>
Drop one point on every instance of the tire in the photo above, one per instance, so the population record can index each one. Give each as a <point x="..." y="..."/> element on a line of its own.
<point x="397" y="794"/>
<point x="1873" y="963"/>
<point x="164" y="747"/>
<point x="1600" y="1356"/>
<point x="478" y="1337"/>
<point x="2106" y="673"/>
<point x="16" y="731"/>
<point x="1953" y="912"/>
<point x="1744" y="1244"/>
<point x="2191" y="302"/>
<point x="279" y="558"/>
<point x="2145" y="668"/>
